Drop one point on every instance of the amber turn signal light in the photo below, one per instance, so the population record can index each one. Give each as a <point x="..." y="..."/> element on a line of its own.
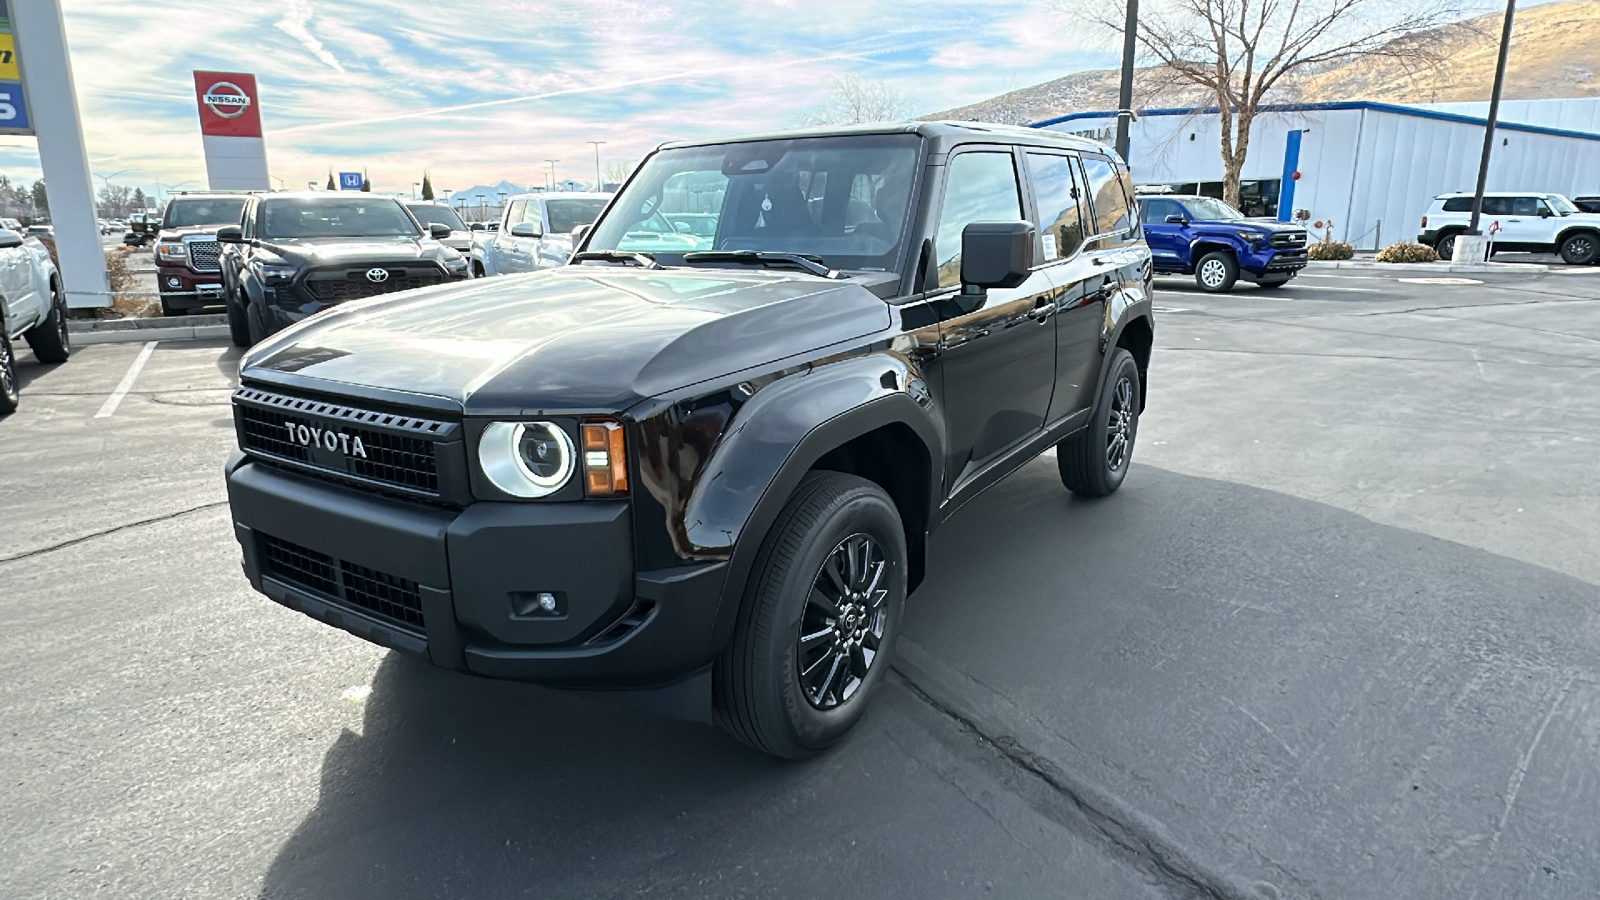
<point x="605" y="458"/>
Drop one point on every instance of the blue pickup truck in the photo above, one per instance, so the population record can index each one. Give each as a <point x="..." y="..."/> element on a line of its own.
<point x="1215" y="243"/>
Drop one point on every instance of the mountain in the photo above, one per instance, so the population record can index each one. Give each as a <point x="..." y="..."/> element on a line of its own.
<point x="1552" y="55"/>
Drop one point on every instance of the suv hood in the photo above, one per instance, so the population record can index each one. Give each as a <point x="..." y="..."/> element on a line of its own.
<point x="335" y="251"/>
<point x="1264" y="226"/>
<point x="575" y="339"/>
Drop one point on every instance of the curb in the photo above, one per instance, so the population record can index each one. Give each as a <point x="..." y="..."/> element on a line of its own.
<point x="161" y="328"/>
<point x="1449" y="267"/>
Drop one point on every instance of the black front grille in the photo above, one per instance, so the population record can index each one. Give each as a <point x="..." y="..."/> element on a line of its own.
<point x="203" y="255"/>
<point x="391" y="450"/>
<point x="355" y="285"/>
<point x="1288" y="239"/>
<point x="389" y="597"/>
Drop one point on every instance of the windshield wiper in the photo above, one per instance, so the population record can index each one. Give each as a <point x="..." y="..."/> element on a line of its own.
<point x="812" y="264"/>
<point x="642" y="260"/>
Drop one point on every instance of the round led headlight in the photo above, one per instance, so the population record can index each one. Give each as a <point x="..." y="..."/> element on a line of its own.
<point x="526" y="459"/>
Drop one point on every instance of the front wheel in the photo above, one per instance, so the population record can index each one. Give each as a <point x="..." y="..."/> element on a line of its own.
<point x="818" y="621"/>
<point x="1580" y="249"/>
<point x="1094" y="460"/>
<point x="49" y="339"/>
<point x="1216" y="272"/>
<point x="9" y="392"/>
<point x="238" y="327"/>
<point x="1272" y="285"/>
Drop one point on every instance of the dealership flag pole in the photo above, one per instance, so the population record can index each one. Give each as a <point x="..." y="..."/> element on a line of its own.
<point x="1494" y="115"/>
<point x="1125" y="93"/>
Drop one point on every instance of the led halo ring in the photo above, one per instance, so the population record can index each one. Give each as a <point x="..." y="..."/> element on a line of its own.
<point x="500" y="457"/>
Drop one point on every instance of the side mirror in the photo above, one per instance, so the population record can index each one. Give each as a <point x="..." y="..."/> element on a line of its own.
<point x="525" y="230"/>
<point x="231" y="234"/>
<point x="1545" y="212"/>
<point x="1177" y="220"/>
<point x="995" y="255"/>
<point x="579" y="233"/>
<point x="476" y="226"/>
<point x="438" y="231"/>
<point x="9" y="238"/>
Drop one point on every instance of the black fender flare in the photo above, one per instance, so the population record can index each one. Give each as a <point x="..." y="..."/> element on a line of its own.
<point x="779" y="435"/>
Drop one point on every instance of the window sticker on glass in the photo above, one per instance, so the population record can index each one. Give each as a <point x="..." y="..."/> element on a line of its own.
<point x="1050" y="247"/>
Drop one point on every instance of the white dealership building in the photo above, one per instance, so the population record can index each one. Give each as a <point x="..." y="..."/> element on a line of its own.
<point x="1369" y="168"/>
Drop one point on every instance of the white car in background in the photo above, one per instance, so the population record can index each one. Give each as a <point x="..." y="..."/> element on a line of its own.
<point x="432" y="212"/>
<point x="535" y="232"/>
<point x="1531" y="222"/>
<point x="32" y="307"/>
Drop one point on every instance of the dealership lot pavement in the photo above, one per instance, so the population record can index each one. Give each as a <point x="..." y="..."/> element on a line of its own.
<point x="1336" y="637"/>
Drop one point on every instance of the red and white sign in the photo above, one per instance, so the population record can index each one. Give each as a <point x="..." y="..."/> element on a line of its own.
<point x="229" y="104"/>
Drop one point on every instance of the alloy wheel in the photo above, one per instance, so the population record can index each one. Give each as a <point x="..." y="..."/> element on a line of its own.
<point x="1447" y="246"/>
<point x="1582" y="248"/>
<point x="1213" y="273"/>
<point x="1119" y="428"/>
<point x="843" y="622"/>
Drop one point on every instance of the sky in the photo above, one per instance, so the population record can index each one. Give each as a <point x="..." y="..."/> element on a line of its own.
<point x="480" y="91"/>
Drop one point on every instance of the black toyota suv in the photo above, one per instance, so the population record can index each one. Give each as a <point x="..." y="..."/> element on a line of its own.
<point x="706" y="467"/>
<point x="295" y="254"/>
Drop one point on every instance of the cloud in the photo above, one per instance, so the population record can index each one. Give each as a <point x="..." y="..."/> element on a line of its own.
<point x="296" y="16"/>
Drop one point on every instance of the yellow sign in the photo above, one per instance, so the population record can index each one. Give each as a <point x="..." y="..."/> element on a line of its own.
<point x="8" y="58"/>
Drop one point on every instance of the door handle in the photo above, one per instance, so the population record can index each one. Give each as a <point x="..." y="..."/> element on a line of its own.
<point x="1042" y="312"/>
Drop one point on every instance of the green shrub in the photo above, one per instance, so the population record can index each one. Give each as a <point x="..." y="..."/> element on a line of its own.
<point x="1330" y="250"/>
<point x="1407" y="253"/>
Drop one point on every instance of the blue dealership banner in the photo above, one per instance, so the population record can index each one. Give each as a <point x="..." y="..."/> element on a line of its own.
<point x="13" y="109"/>
<point x="350" y="181"/>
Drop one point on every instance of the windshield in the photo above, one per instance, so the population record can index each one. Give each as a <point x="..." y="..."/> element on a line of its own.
<point x="437" y="214"/>
<point x="200" y="211"/>
<point x="567" y="215"/>
<point x="1561" y="205"/>
<point x="334" y="217"/>
<point x="840" y="199"/>
<point x="1206" y="209"/>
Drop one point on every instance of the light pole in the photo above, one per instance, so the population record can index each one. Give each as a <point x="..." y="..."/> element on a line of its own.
<point x="1488" y="132"/>
<point x="1130" y="34"/>
<point x="107" y="179"/>
<point x="598" y="186"/>
<point x="169" y="188"/>
<point x="415" y="186"/>
<point x="552" y="163"/>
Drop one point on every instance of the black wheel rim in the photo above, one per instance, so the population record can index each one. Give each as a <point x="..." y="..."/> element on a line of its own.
<point x="1581" y="248"/>
<point x="61" y="320"/>
<point x="8" y="374"/>
<point x="842" y="626"/>
<point x="1446" y="246"/>
<point x="1119" y="427"/>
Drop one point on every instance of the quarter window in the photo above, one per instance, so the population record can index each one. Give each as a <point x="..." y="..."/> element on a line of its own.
<point x="978" y="187"/>
<point x="1055" y="181"/>
<point x="1156" y="211"/>
<point x="1496" y="206"/>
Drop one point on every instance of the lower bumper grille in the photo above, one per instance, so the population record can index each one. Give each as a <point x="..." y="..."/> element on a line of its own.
<point x="357" y="286"/>
<point x="389" y="597"/>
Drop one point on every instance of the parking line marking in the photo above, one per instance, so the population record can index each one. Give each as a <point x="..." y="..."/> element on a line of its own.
<point x="1324" y="287"/>
<point x="126" y="384"/>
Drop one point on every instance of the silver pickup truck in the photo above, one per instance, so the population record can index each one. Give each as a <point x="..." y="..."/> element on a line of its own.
<point x="535" y="232"/>
<point x="32" y="306"/>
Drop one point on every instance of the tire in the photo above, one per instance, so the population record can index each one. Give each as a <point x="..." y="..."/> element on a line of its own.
<point x="1216" y="272"/>
<point x="793" y="701"/>
<point x="1445" y="246"/>
<point x="1271" y="285"/>
<point x="50" y="341"/>
<point x="9" y="391"/>
<point x="238" y="327"/>
<point x="1580" y="249"/>
<point x="1092" y="464"/>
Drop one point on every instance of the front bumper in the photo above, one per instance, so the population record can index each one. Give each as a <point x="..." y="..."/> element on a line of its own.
<point x="454" y="586"/>
<point x="184" y="288"/>
<point x="1278" y="262"/>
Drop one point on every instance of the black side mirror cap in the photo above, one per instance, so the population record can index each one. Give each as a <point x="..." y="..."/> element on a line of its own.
<point x="1177" y="220"/>
<point x="996" y="254"/>
<point x="438" y="231"/>
<point x="230" y="234"/>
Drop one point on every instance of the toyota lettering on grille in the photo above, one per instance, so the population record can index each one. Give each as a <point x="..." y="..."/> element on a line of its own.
<point x="326" y="438"/>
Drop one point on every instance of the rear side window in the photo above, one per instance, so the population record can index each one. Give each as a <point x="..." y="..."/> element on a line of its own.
<point x="1112" y="215"/>
<point x="1458" y="204"/>
<point x="979" y="187"/>
<point x="1495" y="206"/>
<point x="1055" y="181"/>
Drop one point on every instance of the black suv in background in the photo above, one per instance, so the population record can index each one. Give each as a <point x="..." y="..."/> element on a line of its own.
<point x="296" y="254"/>
<point x="708" y="468"/>
<point x="188" y="271"/>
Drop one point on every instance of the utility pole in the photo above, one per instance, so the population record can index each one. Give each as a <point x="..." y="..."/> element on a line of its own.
<point x="1488" y="129"/>
<point x="1130" y="34"/>
<point x="598" y="186"/>
<point x="552" y="163"/>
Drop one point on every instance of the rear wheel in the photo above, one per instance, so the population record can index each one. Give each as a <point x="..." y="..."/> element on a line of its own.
<point x="818" y="621"/>
<point x="1580" y="249"/>
<point x="1446" y="246"/>
<point x="49" y="339"/>
<point x="1216" y="272"/>
<point x="8" y="376"/>
<point x="1094" y="460"/>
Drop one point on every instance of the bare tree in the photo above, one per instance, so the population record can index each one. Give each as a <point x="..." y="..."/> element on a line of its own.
<point x="853" y="100"/>
<point x="1240" y="53"/>
<point x="618" y="172"/>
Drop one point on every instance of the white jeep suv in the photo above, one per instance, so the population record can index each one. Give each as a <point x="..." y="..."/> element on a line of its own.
<point x="1515" y="222"/>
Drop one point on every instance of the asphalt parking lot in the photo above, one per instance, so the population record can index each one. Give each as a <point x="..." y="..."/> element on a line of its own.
<point x="1337" y="636"/>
